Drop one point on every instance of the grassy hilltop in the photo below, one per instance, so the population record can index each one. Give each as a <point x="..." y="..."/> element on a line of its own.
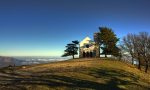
<point x="85" y="74"/>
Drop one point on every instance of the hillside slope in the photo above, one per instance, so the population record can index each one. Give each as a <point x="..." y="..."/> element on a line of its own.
<point x="85" y="74"/>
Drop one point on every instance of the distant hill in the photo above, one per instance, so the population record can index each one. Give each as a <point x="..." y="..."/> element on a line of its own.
<point x="6" y="61"/>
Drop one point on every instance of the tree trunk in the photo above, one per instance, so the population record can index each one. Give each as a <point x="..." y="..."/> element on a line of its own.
<point x="73" y="53"/>
<point x="105" y="55"/>
<point x="73" y="56"/>
<point x="132" y="61"/>
<point x="139" y="66"/>
<point x="80" y="56"/>
<point x="139" y="59"/>
<point x="146" y="66"/>
<point x="120" y="57"/>
<point x="97" y="51"/>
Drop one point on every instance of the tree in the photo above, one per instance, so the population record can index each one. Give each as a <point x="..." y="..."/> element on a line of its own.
<point x="129" y="45"/>
<point x="122" y="51"/>
<point x="148" y="55"/>
<point x="71" y="49"/>
<point x="98" y="43"/>
<point x="109" y="40"/>
<point x="143" y="41"/>
<point x="77" y="43"/>
<point x="138" y="46"/>
<point x="117" y="52"/>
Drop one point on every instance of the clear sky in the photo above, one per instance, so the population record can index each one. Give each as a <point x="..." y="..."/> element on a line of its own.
<point x="44" y="27"/>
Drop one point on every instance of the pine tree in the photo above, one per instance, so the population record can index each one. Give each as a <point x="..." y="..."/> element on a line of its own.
<point x="71" y="49"/>
<point x="109" y="40"/>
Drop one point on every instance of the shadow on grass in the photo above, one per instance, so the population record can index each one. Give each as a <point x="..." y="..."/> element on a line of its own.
<point x="53" y="81"/>
<point x="19" y="82"/>
<point x="118" y="77"/>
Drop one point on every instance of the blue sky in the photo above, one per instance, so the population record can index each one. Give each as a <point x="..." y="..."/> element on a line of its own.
<point x="44" y="27"/>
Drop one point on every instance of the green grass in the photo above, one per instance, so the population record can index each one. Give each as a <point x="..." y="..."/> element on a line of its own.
<point x="79" y="74"/>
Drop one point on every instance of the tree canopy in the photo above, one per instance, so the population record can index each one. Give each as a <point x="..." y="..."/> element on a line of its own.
<point x="108" y="40"/>
<point x="71" y="49"/>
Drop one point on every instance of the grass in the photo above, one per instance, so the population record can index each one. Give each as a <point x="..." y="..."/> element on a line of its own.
<point x="78" y="74"/>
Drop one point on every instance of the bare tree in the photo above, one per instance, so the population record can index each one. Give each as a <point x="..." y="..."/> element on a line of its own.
<point x="138" y="46"/>
<point x="129" y="45"/>
<point x="137" y="50"/>
<point x="148" y="55"/>
<point x="122" y="51"/>
<point x="144" y="47"/>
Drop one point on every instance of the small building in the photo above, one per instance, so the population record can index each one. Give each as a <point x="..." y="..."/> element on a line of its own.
<point x="89" y="48"/>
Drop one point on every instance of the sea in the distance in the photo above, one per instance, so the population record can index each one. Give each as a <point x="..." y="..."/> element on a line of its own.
<point x="30" y="60"/>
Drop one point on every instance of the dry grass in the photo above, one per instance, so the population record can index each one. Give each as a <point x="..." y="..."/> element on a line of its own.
<point x="77" y="63"/>
<point x="86" y="74"/>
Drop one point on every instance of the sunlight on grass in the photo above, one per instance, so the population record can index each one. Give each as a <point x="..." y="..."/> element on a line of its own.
<point x="90" y="74"/>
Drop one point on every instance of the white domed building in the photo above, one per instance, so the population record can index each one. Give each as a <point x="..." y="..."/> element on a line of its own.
<point x="89" y="48"/>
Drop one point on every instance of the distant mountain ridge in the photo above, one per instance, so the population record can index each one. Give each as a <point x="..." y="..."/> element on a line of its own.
<point x="6" y="61"/>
